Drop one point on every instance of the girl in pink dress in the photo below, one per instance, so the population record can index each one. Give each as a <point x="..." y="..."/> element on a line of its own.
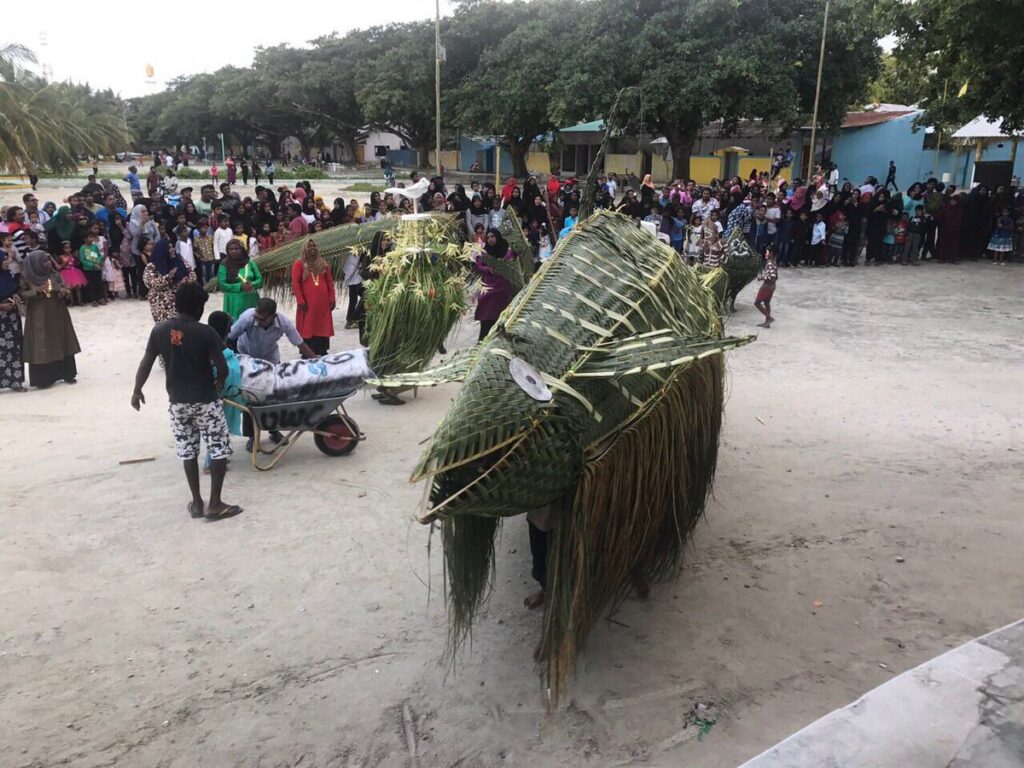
<point x="72" y="275"/>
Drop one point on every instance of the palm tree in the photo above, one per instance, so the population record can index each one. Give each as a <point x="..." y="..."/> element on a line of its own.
<point x="52" y="124"/>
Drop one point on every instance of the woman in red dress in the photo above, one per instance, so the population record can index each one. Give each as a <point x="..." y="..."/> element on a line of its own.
<point x="313" y="286"/>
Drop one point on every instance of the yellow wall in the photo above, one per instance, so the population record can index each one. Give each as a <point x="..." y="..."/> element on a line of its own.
<point x="449" y="159"/>
<point x="620" y="164"/>
<point x="661" y="170"/>
<point x="539" y="162"/>
<point x="704" y="169"/>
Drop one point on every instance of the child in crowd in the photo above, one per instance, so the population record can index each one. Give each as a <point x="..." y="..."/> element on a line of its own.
<point x="496" y="216"/>
<point x="837" y="239"/>
<point x="91" y="259"/>
<point x="221" y="237"/>
<point x="889" y="241"/>
<point x="35" y="225"/>
<point x="769" y="277"/>
<point x="281" y="236"/>
<point x="544" y="251"/>
<point x="784" y="238"/>
<point x="817" y="258"/>
<point x="183" y="245"/>
<point x="1001" y="242"/>
<point x="915" y="237"/>
<point x="694" y="239"/>
<point x="214" y="171"/>
<point x="899" y="236"/>
<point x="759" y="229"/>
<point x="266" y="238"/>
<point x="203" y="247"/>
<point x="800" y="239"/>
<point x="72" y="276"/>
<point x="533" y="236"/>
<point x="111" y="270"/>
<point x="9" y="253"/>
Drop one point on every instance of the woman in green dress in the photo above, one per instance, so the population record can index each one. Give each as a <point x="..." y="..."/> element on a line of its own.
<point x="239" y="279"/>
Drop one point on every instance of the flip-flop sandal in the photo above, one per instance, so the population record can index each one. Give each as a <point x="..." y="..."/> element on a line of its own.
<point x="231" y="511"/>
<point x="391" y="400"/>
<point x="192" y="511"/>
<point x="378" y="395"/>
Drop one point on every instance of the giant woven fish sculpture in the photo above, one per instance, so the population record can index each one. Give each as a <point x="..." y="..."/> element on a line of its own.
<point x="598" y="394"/>
<point x="741" y="263"/>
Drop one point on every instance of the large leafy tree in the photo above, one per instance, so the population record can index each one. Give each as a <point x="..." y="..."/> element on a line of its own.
<point x="899" y="82"/>
<point x="749" y="60"/>
<point x="52" y="124"/>
<point x="398" y="92"/>
<point x="509" y="92"/>
<point x="973" y="51"/>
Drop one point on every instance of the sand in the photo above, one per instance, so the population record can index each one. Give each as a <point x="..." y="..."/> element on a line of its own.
<point x="866" y="517"/>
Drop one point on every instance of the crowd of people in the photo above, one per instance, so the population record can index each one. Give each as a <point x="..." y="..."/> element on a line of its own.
<point x="100" y="247"/>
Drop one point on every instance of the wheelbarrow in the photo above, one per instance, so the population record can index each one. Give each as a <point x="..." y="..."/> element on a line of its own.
<point x="334" y="431"/>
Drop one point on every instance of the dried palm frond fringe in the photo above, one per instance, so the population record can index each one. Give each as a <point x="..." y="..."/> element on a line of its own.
<point x="629" y="342"/>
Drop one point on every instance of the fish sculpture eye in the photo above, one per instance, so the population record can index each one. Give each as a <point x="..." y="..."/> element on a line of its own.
<point x="529" y="379"/>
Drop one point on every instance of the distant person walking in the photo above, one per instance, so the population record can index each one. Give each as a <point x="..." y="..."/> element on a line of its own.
<point x="891" y="177"/>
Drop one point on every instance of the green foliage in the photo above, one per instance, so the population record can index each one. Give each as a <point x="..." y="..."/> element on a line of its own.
<point x="519" y="69"/>
<point x="51" y="125"/>
<point x="188" y="172"/>
<point x="899" y="82"/>
<point x="303" y="172"/>
<point x="979" y="43"/>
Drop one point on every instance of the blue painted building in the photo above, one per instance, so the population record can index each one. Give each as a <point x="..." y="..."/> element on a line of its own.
<point x="868" y="140"/>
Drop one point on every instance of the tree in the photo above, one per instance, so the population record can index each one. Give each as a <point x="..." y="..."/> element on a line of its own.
<point x="899" y="82"/>
<point x="509" y="92"/>
<point x="974" y="52"/>
<point x="52" y="124"/>
<point x="726" y="67"/>
<point x="399" y="92"/>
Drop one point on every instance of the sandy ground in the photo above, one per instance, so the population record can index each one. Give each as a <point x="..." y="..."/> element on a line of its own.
<point x="871" y="462"/>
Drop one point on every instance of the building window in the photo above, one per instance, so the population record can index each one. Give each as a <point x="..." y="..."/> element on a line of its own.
<point x="931" y="140"/>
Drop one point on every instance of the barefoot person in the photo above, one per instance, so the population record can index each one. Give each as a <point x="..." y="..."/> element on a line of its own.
<point x="769" y="277"/>
<point x="193" y="354"/>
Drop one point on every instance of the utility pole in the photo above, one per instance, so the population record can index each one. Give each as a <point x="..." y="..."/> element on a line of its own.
<point x="817" y="92"/>
<point x="437" y="85"/>
<point x="223" y="155"/>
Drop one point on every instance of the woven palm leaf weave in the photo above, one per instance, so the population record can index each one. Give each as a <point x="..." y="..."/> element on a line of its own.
<point x="741" y="262"/>
<point x="629" y="342"/>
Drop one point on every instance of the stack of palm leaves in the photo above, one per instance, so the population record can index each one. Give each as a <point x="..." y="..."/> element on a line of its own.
<point x="418" y="295"/>
<point x="599" y="396"/>
<point x="512" y="231"/>
<point x="335" y="244"/>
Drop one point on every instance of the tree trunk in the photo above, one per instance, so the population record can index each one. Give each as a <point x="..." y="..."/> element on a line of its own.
<point x="681" y="141"/>
<point x="348" y="141"/>
<point x="519" y="149"/>
<point x="423" y="151"/>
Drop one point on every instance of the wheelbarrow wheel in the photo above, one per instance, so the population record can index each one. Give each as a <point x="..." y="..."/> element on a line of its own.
<point x="343" y="437"/>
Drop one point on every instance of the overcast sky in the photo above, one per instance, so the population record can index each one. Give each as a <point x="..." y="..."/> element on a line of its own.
<point x="111" y="49"/>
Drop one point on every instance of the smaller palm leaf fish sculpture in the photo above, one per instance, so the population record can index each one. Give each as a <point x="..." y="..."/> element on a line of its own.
<point x="598" y="396"/>
<point x="741" y="265"/>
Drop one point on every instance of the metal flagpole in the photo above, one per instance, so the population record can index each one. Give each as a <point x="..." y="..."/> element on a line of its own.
<point x="817" y="92"/>
<point x="437" y="86"/>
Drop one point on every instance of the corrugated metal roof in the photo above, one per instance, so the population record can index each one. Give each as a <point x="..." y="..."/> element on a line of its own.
<point x="872" y="117"/>
<point x="594" y="126"/>
<point x="983" y="128"/>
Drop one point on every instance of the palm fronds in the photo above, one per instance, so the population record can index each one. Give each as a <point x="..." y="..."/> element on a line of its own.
<point x="419" y="294"/>
<point x="741" y="262"/>
<point x="616" y="429"/>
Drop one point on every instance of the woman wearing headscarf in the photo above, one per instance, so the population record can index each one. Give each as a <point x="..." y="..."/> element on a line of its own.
<point x="142" y="230"/>
<point x="50" y="343"/>
<point x="239" y="279"/>
<point x="496" y="291"/>
<point x="531" y="190"/>
<point x="648" y="193"/>
<point x="476" y="214"/>
<point x="951" y="230"/>
<point x="879" y="213"/>
<point x="162" y="275"/>
<point x="515" y="201"/>
<point x="59" y="227"/>
<point x="536" y="211"/>
<point x="313" y="286"/>
<point x="12" y="366"/>
<point x="458" y="200"/>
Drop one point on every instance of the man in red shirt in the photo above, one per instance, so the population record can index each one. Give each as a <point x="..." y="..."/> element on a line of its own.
<point x="298" y="226"/>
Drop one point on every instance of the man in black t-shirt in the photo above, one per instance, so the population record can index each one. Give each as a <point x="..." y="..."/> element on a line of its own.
<point x="193" y="355"/>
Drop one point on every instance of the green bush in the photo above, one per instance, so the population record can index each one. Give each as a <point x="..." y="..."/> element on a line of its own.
<point x="187" y="172"/>
<point x="301" y="172"/>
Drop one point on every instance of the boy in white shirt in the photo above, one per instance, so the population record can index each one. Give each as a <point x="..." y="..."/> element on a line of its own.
<point x="183" y="246"/>
<point x="773" y="215"/>
<point x="221" y="237"/>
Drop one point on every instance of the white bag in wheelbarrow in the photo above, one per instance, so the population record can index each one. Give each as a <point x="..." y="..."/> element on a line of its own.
<point x="333" y="375"/>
